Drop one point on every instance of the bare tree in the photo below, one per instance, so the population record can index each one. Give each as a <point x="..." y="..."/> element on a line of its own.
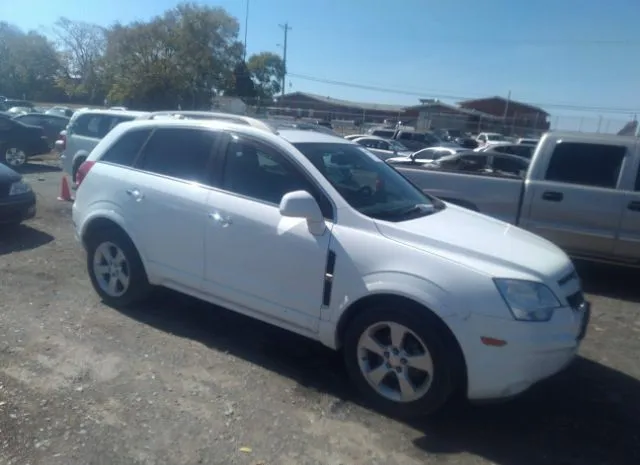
<point x="82" y="47"/>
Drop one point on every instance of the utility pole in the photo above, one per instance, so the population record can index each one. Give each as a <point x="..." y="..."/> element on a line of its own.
<point x="506" y="109"/>
<point x="246" y="29"/>
<point x="286" y="29"/>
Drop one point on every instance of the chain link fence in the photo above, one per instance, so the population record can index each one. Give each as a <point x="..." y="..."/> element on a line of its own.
<point x="354" y="122"/>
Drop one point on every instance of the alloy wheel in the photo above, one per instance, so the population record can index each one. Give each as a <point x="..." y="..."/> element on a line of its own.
<point x="395" y="361"/>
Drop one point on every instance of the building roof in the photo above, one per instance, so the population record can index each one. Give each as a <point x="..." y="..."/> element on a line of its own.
<point x="430" y="104"/>
<point x="346" y="103"/>
<point x="533" y="108"/>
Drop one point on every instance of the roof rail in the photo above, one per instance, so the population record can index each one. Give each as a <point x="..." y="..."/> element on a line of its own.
<point x="211" y="115"/>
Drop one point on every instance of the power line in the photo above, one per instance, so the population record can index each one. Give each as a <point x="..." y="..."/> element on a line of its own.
<point x="457" y="97"/>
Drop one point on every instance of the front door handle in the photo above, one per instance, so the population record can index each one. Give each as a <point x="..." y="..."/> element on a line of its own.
<point x="135" y="193"/>
<point x="634" y="206"/>
<point x="553" y="196"/>
<point x="224" y="221"/>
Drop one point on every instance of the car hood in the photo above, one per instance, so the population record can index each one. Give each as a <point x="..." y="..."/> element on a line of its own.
<point x="8" y="175"/>
<point x="477" y="241"/>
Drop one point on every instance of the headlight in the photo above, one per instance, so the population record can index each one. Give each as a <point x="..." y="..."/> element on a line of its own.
<point x="528" y="300"/>
<point x="19" y="187"/>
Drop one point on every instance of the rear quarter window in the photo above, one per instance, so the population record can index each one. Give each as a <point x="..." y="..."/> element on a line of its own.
<point x="125" y="150"/>
<point x="181" y="153"/>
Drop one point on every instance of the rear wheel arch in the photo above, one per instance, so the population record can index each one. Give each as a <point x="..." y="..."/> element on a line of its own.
<point x="102" y="223"/>
<point x="376" y="300"/>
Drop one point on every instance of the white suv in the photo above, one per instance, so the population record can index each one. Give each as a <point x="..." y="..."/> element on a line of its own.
<point x="315" y="234"/>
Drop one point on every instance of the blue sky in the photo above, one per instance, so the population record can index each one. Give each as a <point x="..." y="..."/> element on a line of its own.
<point x="555" y="53"/>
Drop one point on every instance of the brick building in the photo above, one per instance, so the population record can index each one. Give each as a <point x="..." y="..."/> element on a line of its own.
<point x="434" y="114"/>
<point x="518" y="117"/>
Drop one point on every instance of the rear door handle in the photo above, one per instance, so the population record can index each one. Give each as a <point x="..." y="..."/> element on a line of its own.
<point x="553" y="196"/>
<point x="634" y="206"/>
<point x="224" y="221"/>
<point x="135" y="193"/>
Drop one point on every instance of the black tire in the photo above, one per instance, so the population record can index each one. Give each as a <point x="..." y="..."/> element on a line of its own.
<point x="426" y="326"/>
<point x="76" y="165"/>
<point x="139" y="287"/>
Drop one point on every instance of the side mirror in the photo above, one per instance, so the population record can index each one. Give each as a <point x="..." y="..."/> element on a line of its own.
<point x="301" y="204"/>
<point x="58" y="146"/>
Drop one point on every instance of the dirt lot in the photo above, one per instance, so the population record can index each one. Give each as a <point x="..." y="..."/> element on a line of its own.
<point x="182" y="382"/>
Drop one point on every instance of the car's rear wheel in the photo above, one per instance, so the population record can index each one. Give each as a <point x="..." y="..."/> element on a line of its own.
<point x="399" y="361"/>
<point x="13" y="156"/>
<point x="115" y="268"/>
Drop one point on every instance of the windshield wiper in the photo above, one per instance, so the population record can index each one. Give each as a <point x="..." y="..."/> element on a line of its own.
<point x="420" y="208"/>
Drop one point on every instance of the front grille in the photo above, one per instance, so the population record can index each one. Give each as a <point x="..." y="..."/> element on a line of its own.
<point x="575" y="300"/>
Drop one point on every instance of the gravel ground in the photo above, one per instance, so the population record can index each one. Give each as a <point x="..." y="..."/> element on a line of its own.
<point x="183" y="382"/>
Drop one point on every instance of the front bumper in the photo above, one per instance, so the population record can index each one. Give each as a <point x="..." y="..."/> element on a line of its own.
<point x="15" y="209"/>
<point x="533" y="351"/>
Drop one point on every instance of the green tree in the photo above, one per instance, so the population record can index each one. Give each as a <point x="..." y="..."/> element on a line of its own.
<point x="183" y="57"/>
<point x="267" y="71"/>
<point x="29" y="65"/>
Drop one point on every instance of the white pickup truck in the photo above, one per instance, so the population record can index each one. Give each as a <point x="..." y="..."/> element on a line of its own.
<point x="582" y="191"/>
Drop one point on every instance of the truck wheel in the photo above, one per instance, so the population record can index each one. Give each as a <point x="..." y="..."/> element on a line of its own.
<point x="115" y="268"/>
<point x="398" y="360"/>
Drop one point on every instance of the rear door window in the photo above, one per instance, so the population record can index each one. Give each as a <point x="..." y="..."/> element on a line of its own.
<point x="182" y="153"/>
<point x="32" y="120"/>
<point x="596" y="165"/>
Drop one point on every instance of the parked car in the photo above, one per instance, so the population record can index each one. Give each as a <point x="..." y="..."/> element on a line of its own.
<point x="19" y="141"/>
<point x="487" y="138"/>
<point x="13" y="111"/>
<point x="450" y="299"/>
<point x="355" y="136"/>
<point x="425" y="155"/>
<point x="466" y="142"/>
<point x="417" y="140"/>
<point x="60" y="111"/>
<point x="485" y="162"/>
<point x="581" y="191"/>
<point x="384" y="132"/>
<point x="8" y="103"/>
<point x="51" y="124"/>
<point x="17" y="200"/>
<point x="528" y="141"/>
<point x="85" y="129"/>
<point x="383" y="148"/>
<point x="521" y="150"/>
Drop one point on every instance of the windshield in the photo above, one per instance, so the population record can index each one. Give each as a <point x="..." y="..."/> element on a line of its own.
<point x="367" y="183"/>
<point x="495" y="137"/>
<point x="397" y="146"/>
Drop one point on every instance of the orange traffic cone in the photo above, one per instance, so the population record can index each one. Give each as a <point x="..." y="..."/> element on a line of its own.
<point x="65" y="192"/>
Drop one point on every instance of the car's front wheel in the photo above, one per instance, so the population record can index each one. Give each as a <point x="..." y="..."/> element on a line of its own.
<point x="115" y="268"/>
<point x="399" y="360"/>
<point x="13" y="156"/>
